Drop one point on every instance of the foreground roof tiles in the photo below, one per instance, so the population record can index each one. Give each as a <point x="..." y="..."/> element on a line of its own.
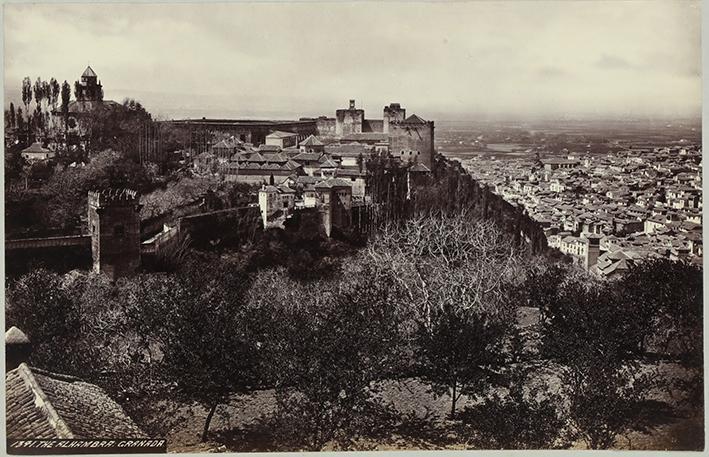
<point x="41" y="404"/>
<point x="15" y="336"/>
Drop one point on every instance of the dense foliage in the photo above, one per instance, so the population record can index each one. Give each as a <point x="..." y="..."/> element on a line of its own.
<point x="435" y="299"/>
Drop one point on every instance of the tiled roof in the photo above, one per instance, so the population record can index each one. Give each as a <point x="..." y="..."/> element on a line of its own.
<point x="291" y="152"/>
<point x="307" y="179"/>
<point x="89" y="72"/>
<point x="279" y="134"/>
<point x="15" y="336"/>
<point x="414" y="119"/>
<point x="348" y="173"/>
<point x="275" y="158"/>
<point x="228" y="143"/>
<point x="24" y="418"/>
<point x="292" y="165"/>
<point x="334" y="182"/>
<point x="421" y="168"/>
<point x="308" y="157"/>
<point x="36" y="147"/>
<point x="269" y="148"/>
<point x="41" y="404"/>
<point x="311" y="141"/>
<point x="256" y="157"/>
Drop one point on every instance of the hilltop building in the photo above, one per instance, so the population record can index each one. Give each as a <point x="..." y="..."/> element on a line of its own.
<point x="88" y="92"/>
<point x="332" y="197"/>
<point x="88" y="88"/>
<point x="408" y="138"/>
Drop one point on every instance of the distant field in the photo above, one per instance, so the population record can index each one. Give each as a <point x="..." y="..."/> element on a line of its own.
<point x="467" y="153"/>
<point x="506" y="147"/>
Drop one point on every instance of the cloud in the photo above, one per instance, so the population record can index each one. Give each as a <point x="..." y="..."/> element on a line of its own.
<point x="613" y="62"/>
<point x="309" y="58"/>
<point x="549" y="71"/>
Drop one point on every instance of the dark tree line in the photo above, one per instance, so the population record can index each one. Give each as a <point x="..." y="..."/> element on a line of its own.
<point x="47" y="95"/>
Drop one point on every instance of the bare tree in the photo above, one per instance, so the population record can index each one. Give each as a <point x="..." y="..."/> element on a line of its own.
<point x="454" y="270"/>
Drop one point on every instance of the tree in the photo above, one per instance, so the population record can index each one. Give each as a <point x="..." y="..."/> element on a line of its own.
<point x="200" y="325"/>
<point x="39" y="92"/>
<point x="20" y="120"/>
<point x="517" y="420"/>
<point x="670" y="312"/>
<point x="47" y="93"/>
<point x="26" y="100"/>
<point x="54" y="90"/>
<point x="459" y="350"/>
<point x="39" y="305"/>
<point x="66" y="95"/>
<point x="591" y="333"/>
<point x="27" y="93"/>
<point x="38" y="119"/>
<point x="455" y="271"/>
<point x="115" y="128"/>
<point x="13" y="121"/>
<point x="326" y="347"/>
<point x="604" y="400"/>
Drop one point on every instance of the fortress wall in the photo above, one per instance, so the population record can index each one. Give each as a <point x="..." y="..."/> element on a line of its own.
<point x="224" y="228"/>
<point x="326" y="126"/>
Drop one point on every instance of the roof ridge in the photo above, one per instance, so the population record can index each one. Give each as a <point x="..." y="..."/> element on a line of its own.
<point x="57" y="376"/>
<point x="42" y="402"/>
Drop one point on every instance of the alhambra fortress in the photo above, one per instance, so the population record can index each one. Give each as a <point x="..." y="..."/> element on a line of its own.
<point x="315" y="166"/>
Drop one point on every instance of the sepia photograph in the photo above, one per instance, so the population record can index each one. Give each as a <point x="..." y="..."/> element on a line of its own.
<point x="290" y="226"/>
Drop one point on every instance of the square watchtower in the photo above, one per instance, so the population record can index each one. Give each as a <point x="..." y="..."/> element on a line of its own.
<point x="114" y="224"/>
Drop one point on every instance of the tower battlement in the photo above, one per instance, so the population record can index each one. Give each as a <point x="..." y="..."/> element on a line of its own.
<point x="113" y="197"/>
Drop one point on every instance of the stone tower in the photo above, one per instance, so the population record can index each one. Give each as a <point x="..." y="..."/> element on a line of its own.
<point x="412" y="140"/>
<point x="89" y="88"/>
<point x="349" y="120"/>
<point x="593" y="250"/>
<point x="393" y="113"/>
<point x="114" y="222"/>
<point x="334" y="204"/>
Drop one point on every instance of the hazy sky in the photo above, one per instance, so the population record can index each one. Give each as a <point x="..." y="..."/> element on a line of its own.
<point x="440" y="60"/>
